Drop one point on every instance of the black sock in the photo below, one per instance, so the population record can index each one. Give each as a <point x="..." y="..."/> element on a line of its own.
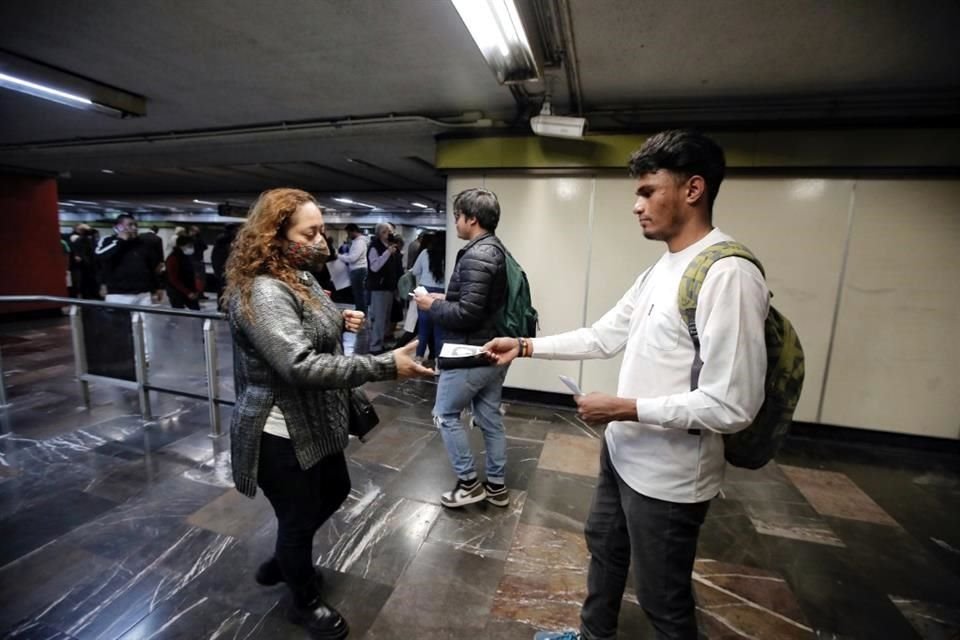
<point x="468" y="484"/>
<point x="495" y="487"/>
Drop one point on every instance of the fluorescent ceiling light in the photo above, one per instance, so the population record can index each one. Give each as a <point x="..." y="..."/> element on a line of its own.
<point x="349" y="201"/>
<point x="205" y="202"/>
<point x="419" y="205"/>
<point x="49" y="83"/>
<point x="85" y="202"/>
<point x="496" y="27"/>
<point x="67" y="204"/>
<point x="106" y="171"/>
<point x="41" y="91"/>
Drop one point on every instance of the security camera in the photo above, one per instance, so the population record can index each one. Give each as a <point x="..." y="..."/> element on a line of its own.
<point x="558" y="126"/>
<point x="547" y="124"/>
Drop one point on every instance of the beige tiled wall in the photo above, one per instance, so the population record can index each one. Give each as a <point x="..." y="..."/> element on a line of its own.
<point x="896" y="355"/>
<point x="894" y="350"/>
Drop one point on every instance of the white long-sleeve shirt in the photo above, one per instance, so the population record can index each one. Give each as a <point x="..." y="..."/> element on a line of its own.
<point x="356" y="258"/>
<point x="659" y="456"/>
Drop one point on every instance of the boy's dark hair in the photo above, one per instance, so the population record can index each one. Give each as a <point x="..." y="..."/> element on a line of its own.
<point x="350" y="228"/>
<point x="481" y="204"/>
<point x="684" y="153"/>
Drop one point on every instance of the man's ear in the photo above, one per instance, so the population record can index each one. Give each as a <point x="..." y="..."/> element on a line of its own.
<point x="696" y="190"/>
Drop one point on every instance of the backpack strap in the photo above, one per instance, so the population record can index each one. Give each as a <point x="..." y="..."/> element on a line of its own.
<point x="690" y="284"/>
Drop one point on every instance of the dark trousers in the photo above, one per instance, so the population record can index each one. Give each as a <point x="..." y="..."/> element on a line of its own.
<point x="179" y="301"/>
<point x="661" y="537"/>
<point x="302" y="500"/>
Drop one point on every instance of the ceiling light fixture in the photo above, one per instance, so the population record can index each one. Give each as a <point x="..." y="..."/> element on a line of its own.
<point x="496" y="27"/>
<point x="106" y="171"/>
<point x="67" y="204"/>
<point x="205" y="202"/>
<point x="49" y="83"/>
<point x="85" y="202"/>
<point x="419" y="205"/>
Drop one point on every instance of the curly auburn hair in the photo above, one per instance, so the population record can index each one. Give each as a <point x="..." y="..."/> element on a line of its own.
<point x="258" y="248"/>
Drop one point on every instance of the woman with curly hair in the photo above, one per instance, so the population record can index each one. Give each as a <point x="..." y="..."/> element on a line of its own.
<point x="289" y="425"/>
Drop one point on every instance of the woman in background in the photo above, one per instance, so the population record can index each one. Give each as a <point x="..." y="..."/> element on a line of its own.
<point x="430" y="271"/>
<point x="290" y="421"/>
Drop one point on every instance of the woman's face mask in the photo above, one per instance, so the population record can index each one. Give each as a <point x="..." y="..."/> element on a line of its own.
<point x="307" y="256"/>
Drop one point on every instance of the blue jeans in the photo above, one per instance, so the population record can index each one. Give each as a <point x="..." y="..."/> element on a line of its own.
<point x="358" y="283"/>
<point x="479" y="388"/>
<point x="428" y="332"/>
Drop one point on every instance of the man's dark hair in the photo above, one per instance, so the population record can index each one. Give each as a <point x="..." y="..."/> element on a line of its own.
<point x="480" y="204"/>
<point x="122" y="217"/>
<point x="350" y="228"/>
<point x="184" y="240"/>
<point x="155" y="228"/>
<point x="683" y="153"/>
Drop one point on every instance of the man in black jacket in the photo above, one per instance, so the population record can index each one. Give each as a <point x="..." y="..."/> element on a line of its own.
<point x="467" y="314"/>
<point x="130" y="266"/>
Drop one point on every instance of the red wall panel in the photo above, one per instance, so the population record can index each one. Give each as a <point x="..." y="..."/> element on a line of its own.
<point x="31" y="256"/>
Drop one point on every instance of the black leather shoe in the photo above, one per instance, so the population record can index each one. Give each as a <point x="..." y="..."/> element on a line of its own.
<point x="269" y="575"/>
<point x="320" y="619"/>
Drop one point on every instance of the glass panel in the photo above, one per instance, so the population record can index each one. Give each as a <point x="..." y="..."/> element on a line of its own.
<point x="108" y="339"/>
<point x="176" y="352"/>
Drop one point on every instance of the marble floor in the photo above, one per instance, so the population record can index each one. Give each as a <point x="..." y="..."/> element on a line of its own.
<point x="111" y="529"/>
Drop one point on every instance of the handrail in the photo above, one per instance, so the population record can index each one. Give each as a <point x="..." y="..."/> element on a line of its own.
<point x="166" y="311"/>
<point x="215" y="472"/>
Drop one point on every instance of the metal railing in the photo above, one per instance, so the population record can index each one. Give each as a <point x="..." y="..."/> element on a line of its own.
<point x="220" y="463"/>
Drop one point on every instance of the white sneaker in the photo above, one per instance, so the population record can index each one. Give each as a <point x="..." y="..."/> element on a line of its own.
<point x="463" y="493"/>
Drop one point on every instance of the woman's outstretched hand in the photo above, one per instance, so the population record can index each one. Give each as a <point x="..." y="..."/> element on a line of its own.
<point x="407" y="367"/>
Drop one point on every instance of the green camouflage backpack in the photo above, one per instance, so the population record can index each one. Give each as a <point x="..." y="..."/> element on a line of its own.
<point x="517" y="318"/>
<point x="756" y="445"/>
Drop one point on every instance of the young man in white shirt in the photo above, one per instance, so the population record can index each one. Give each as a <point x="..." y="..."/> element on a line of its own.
<point x="662" y="459"/>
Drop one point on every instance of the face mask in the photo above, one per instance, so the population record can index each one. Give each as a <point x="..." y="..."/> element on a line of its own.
<point x="306" y="256"/>
<point x="188" y="252"/>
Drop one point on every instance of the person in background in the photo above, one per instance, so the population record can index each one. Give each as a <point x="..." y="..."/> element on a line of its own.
<point x="130" y="266"/>
<point x="662" y="458"/>
<point x="429" y="269"/>
<point x="199" y="267"/>
<point x="289" y="426"/>
<point x="356" y="261"/>
<point x="83" y="266"/>
<point x="181" y="280"/>
<point x="382" y="276"/>
<point x="219" y="255"/>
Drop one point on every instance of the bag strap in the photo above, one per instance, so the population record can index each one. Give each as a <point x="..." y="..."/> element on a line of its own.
<point x="690" y="284"/>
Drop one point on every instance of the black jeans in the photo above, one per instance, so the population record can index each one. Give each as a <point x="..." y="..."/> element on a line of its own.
<point x="302" y="500"/>
<point x="662" y="539"/>
<point x="179" y="301"/>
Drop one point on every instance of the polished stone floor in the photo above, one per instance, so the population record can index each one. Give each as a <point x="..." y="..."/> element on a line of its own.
<point x="113" y="527"/>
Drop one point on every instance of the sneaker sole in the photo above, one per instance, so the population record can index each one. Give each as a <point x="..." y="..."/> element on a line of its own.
<point x="499" y="502"/>
<point x="455" y="505"/>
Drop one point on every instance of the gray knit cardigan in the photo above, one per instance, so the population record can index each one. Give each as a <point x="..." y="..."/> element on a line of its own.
<point x="290" y="354"/>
